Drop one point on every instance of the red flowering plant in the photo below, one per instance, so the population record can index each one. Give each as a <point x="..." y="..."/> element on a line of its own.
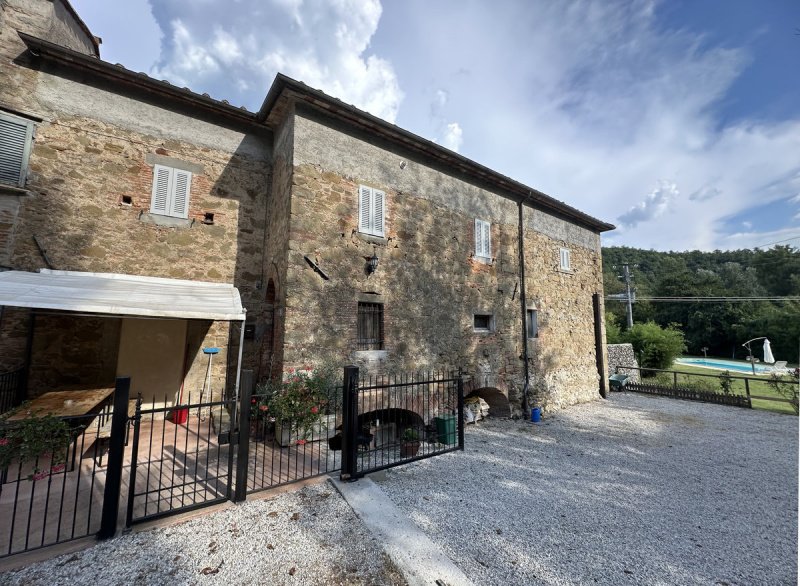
<point x="299" y="400"/>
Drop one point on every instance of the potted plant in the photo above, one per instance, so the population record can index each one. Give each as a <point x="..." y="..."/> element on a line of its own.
<point x="296" y="405"/>
<point x="409" y="443"/>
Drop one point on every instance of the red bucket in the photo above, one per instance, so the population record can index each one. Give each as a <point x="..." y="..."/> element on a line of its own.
<point x="179" y="416"/>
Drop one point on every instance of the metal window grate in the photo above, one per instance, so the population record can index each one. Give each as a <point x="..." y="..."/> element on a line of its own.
<point x="370" y="326"/>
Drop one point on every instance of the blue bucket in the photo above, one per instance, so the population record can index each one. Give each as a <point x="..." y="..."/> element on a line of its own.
<point x="536" y="414"/>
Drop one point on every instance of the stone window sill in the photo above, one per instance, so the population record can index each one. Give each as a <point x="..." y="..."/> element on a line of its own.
<point x="379" y="240"/>
<point x="167" y="221"/>
<point x="12" y="190"/>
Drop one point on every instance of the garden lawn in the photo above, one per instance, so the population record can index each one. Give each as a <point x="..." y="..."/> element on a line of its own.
<point x="758" y="386"/>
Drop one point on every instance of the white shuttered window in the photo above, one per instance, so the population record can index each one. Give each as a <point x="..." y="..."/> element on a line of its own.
<point x="16" y="135"/>
<point x="564" y="264"/>
<point x="371" y="211"/>
<point x="483" y="239"/>
<point x="171" y="188"/>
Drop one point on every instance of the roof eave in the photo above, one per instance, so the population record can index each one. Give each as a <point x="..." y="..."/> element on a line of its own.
<point x="430" y="149"/>
<point x="67" y="57"/>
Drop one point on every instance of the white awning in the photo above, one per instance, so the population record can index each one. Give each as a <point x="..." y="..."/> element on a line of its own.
<point x="113" y="294"/>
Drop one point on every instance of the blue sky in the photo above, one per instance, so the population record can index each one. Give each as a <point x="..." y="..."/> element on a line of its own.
<point x="679" y="121"/>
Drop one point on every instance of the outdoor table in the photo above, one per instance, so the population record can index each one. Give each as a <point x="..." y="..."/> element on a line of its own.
<point x="81" y="404"/>
<point x="65" y="404"/>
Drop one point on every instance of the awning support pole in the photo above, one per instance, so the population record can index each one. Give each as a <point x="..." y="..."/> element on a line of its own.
<point x="238" y="371"/>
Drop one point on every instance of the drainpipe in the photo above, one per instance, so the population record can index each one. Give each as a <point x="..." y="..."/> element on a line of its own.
<point x="524" y="310"/>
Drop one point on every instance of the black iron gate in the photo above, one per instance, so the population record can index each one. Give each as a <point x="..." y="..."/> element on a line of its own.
<point x="392" y="420"/>
<point x="181" y="458"/>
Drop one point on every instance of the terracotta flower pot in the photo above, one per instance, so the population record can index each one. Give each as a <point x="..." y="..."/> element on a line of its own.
<point x="409" y="449"/>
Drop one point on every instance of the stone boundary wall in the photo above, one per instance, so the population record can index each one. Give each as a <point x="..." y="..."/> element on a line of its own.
<point x="622" y="355"/>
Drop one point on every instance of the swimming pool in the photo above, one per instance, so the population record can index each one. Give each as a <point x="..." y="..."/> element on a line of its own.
<point x="724" y="365"/>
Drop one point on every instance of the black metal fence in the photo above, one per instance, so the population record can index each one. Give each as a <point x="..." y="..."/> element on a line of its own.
<point x="57" y="496"/>
<point x="11" y="386"/>
<point x="283" y="450"/>
<point x="194" y="454"/>
<point x="393" y="420"/>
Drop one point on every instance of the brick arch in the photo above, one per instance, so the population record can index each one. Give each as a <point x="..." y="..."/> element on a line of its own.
<point x="376" y="400"/>
<point x="499" y="405"/>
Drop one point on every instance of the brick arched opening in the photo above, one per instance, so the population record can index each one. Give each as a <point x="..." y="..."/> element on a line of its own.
<point x="499" y="405"/>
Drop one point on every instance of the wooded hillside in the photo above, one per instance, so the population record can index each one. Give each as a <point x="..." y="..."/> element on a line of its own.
<point x="722" y="327"/>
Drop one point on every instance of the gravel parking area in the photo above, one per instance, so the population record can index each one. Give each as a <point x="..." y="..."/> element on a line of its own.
<point x="634" y="490"/>
<point x="306" y="537"/>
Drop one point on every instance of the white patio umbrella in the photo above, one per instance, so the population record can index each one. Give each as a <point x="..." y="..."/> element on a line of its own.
<point x="768" y="357"/>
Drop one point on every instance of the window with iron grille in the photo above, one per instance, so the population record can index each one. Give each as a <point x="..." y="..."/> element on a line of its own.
<point x="370" y="326"/>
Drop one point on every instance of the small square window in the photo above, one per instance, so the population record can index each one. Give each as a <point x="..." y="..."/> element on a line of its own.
<point x="482" y="322"/>
<point x="532" y="324"/>
<point x="564" y="263"/>
<point x="370" y="326"/>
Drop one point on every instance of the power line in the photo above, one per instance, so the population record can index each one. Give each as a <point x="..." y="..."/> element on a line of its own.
<point x="778" y="242"/>
<point x="708" y="299"/>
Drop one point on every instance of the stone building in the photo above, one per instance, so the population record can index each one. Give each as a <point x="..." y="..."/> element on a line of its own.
<point x="349" y="239"/>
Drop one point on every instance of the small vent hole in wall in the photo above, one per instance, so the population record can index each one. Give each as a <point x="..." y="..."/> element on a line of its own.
<point x="126" y="200"/>
<point x="208" y="218"/>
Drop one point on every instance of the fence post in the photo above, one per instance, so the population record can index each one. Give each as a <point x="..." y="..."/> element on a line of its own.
<point x="137" y="419"/>
<point x="747" y="390"/>
<point x="675" y="380"/>
<point x="116" y="453"/>
<point x="460" y="391"/>
<point x="243" y="453"/>
<point x="349" y="423"/>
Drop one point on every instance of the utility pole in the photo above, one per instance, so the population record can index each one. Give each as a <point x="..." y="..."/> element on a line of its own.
<point x="629" y="297"/>
<point x="626" y="273"/>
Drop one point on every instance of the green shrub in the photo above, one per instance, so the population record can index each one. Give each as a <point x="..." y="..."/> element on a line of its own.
<point x="656" y="347"/>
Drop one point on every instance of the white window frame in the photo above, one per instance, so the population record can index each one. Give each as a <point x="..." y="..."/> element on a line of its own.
<point x="169" y="184"/>
<point x="532" y="325"/>
<point x="371" y="211"/>
<point x="483" y="239"/>
<point x="564" y="263"/>
<point x="19" y="132"/>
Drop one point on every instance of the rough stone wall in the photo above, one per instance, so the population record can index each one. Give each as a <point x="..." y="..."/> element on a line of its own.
<point x="623" y="355"/>
<point x="276" y="247"/>
<point x="69" y="351"/>
<point x="14" y="327"/>
<point x="563" y="356"/>
<point x="427" y="278"/>
<point x="95" y="147"/>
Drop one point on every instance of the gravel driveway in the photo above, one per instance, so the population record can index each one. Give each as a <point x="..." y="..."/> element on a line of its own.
<point x="634" y="490"/>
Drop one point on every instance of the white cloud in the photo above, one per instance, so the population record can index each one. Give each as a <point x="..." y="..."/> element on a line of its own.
<point x="234" y="50"/>
<point x="453" y="137"/>
<point x="653" y="206"/>
<point x="593" y="102"/>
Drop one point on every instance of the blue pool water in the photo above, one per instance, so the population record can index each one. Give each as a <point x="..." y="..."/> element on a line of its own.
<point x="723" y="364"/>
